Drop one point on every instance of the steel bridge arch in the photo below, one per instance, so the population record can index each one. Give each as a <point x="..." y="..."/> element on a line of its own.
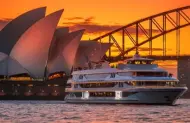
<point x="166" y="18"/>
<point x="156" y="36"/>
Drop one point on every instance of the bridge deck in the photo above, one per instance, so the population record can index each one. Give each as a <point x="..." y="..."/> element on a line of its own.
<point x="171" y="57"/>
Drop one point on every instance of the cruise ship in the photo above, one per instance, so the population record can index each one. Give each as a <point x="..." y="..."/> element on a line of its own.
<point x="138" y="81"/>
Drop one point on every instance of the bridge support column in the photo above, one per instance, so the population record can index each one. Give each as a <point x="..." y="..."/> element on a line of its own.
<point x="183" y="70"/>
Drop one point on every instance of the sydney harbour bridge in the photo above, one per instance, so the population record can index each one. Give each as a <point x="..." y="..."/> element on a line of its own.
<point x="152" y="28"/>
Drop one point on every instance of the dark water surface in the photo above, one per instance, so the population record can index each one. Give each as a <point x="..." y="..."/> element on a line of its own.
<point x="59" y="112"/>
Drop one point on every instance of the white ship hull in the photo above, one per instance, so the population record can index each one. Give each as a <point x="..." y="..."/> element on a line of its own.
<point x="166" y="96"/>
<point x="138" y="81"/>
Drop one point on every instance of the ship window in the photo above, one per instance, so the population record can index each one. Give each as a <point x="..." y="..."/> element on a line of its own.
<point x="134" y="73"/>
<point x="102" y="94"/>
<point x="140" y="62"/>
<point x="97" y="85"/>
<point x="81" y="77"/>
<point x="152" y="74"/>
<point x="144" y="62"/>
<point x="137" y="62"/>
<point x="112" y="75"/>
<point x="140" y="83"/>
<point x="72" y="95"/>
<point x="129" y="62"/>
<point x="171" y="83"/>
<point x="156" y="83"/>
<point x="124" y="74"/>
<point x="94" y="76"/>
<point x="68" y="85"/>
<point x="120" y="84"/>
<point x="151" y="83"/>
<point x="149" y="62"/>
<point x="76" y="86"/>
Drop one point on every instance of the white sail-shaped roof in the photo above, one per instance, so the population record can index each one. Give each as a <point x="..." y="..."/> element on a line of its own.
<point x="14" y="67"/>
<point x="57" y="42"/>
<point x="85" y="47"/>
<point x="66" y="49"/>
<point x="31" y="50"/>
<point x="69" y="51"/>
<point x="99" y="51"/>
<point x="11" y="33"/>
<point x="61" y="31"/>
<point x="58" y="65"/>
<point x="3" y="56"/>
<point x="3" y="63"/>
<point x="90" y="51"/>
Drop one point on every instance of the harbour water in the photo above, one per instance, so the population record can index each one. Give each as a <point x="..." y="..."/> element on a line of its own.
<point x="60" y="112"/>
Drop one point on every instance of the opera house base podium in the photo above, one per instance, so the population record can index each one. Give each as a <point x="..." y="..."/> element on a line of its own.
<point x="33" y="90"/>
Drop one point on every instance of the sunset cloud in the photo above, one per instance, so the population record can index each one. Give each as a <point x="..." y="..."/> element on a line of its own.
<point x="74" y="18"/>
<point x="77" y="23"/>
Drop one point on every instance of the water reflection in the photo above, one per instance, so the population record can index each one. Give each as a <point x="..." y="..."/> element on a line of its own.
<point x="60" y="112"/>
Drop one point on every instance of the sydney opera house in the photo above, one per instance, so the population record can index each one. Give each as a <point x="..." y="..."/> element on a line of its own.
<point x="36" y="57"/>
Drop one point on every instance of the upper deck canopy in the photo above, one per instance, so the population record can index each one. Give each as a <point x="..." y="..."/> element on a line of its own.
<point x="137" y="59"/>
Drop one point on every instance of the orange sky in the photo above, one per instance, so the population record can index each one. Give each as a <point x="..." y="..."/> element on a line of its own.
<point x="102" y="12"/>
